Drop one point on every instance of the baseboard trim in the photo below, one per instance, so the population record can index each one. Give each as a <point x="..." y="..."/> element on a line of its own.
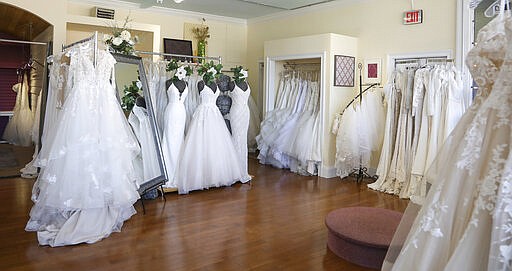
<point x="327" y="172"/>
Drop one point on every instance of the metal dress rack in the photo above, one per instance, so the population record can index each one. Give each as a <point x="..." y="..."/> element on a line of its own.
<point x="216" y="58"/>
<point x="45" y="78"/>
<point x="362" y="172"/>
<point x="94" y="38"/>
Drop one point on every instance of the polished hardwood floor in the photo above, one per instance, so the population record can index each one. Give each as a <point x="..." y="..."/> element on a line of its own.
<point x="276" y="222"/>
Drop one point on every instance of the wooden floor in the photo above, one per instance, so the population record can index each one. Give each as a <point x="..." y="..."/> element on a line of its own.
<point x="274" y="223"/>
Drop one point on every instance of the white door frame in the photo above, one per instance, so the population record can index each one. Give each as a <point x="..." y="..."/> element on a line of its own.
<point x="269" y="96"/>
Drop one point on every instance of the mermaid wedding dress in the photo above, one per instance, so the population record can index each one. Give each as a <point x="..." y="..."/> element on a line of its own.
<point x="174" y="131"/>
<point x="239" y="118"/>
<point x="466" y="219"/>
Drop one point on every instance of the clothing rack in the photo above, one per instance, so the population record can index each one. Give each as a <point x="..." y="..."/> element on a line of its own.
<point x="361" y="172"/>
<point x="423" y="60"/>
<point x="23" y="42"/>
<point x="359" y="95"/>
<point x="94" y="38"/>
<point x="216" y="58"/>
<point x="31" y="60"/>
<point x="290" y="65"/>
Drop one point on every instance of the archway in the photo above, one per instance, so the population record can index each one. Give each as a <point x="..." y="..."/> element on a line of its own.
<point x="18" y="60"/>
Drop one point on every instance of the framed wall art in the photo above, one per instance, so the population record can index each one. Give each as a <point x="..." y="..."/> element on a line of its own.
<point x="344" y="70"/>
<point x="372" y="71"/>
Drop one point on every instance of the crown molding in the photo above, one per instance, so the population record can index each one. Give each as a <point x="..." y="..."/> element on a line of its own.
<point x="305" y="10"/>
<point x="161" y="10"/>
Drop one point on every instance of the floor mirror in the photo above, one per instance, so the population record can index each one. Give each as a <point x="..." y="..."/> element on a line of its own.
<point x="135" y="99"/>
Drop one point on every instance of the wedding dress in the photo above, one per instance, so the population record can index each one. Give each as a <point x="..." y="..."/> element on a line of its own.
<point x="465" y="220"/>
<point x="30" y="171"/>
<point x="87" y="186"/>
<point x="239" y="117"/>
<point x="360" y="132"/>
<point x="141" y="125"/>
<point x="192" y="100"/>
<point x="19" y="128"/>
<point x="254" y="125"/>
<point x="174" y="131"/>
<point x="208" y="158"/>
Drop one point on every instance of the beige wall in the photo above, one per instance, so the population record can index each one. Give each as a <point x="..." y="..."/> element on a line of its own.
<point x="228" y="39"/>
<point x="376" y="23"/>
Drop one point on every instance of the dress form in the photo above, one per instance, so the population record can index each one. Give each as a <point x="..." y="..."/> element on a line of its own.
<point x="224" y="102"/>
<point x="179" y="84"/>
<point x="213" y="86"/>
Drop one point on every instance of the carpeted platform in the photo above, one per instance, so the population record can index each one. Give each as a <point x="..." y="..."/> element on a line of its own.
<point x="361" y="235"/>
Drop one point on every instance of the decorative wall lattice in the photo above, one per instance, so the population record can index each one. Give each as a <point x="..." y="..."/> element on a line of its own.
<point x="344" y="71"/>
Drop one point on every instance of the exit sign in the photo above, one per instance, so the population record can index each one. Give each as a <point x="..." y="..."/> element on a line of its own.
<point x="413" y="17"/>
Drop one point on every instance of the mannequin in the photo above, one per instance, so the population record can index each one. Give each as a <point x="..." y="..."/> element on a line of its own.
<point x="179" y="84"/>
<point x="140" y="102"/>
<point x="212" y="85"/>
<point x="224" y="101"/>
<point x="242" y="85"/>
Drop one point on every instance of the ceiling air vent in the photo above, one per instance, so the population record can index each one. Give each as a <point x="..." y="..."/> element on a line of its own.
<point x="104" y="13"/>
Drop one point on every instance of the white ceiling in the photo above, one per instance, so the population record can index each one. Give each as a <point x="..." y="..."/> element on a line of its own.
<point x="243" y="9"/>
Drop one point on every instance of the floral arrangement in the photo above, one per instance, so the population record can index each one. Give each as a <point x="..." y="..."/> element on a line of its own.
<point x="209" y="71"/>
<point x="131" y="93"/>
<point x="180" y="72"/>
<point x="239" y="74"/>
<point x="201" y="33"/>
<point x="121" y="40"/>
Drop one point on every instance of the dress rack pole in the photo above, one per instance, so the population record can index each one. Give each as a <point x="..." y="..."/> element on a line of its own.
<point x="24" y="42"/>
<point x="218" y="58"/>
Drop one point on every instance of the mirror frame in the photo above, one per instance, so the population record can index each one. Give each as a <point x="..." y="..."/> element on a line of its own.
<point x="157" y="181"/>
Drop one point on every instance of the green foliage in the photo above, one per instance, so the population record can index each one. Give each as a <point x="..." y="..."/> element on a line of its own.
<point x="239" y="74"/>
<point x="180" y="71"/>
<point x="210" y="71"/>
<point x="131" y="93"/>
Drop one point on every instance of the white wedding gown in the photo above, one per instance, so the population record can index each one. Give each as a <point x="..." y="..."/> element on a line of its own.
<point x="148" y="157"/>
<point x="208" y="158"/>
<point x="466" y="219"/>
<point x="174" y="131"/>
<point x="87" y="186"/>
<point x="19" y="128"/>
<point x="239" y="115"/>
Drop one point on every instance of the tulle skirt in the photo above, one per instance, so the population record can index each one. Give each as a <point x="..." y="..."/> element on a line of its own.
<point x="208" y="157"/>
<point x="87" y="186"/>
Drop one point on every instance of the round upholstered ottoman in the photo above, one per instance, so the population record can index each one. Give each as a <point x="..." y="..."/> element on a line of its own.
<point x="361" y="235"/>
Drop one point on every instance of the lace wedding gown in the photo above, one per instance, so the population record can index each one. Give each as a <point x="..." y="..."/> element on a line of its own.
<point x="87" y="185"/>
<point x="174" y="131"/>
<point x="466" y="220"/>
<point x="239" y="115"/>
<point x="208" y="158"/>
